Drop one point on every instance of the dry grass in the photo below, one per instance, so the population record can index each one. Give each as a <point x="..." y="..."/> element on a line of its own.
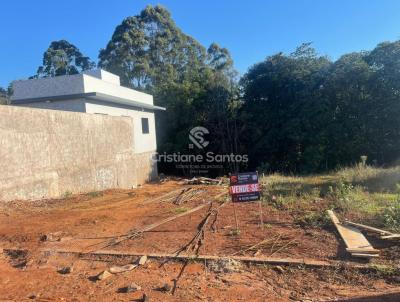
<point x="363" y="193"/>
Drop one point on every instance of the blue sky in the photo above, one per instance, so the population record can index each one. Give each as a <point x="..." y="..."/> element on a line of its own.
<point x="251" y="30"/>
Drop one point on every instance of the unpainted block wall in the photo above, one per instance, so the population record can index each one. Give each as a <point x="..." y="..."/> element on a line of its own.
<point x="46" y="153"/>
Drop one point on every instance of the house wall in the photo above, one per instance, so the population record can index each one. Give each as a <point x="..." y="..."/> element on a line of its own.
<point x="93" y="84"/>
<point x="104" y="75"/>
<point x="46" y="153"/>
<point x="75" y="105"/>
<point x="143" y="142"/>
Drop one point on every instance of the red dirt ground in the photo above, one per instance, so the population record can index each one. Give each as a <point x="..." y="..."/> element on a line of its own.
<point x="82" y="221"/>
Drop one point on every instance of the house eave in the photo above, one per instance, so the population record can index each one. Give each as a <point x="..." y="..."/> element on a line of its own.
<point x="96" y="96"/>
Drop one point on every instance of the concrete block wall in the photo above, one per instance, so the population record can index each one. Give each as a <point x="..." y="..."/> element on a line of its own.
<point x="146" y="167"/>
<point x="46" y="153"/>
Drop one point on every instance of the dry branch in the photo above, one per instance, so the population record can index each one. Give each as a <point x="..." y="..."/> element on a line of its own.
<point x="136" y="233"/>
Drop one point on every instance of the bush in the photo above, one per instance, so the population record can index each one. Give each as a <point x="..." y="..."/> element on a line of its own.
<point x="391" y="216"/>
<point x="95" y="194"/>
<point x="313" y="219"/>
<point x="341" y="194"/>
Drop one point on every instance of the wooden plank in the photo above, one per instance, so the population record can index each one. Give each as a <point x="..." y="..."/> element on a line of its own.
<point x="369" y="228"/>
<point x="391" y="236"/>
<point x="201" y="258"/>
<point x="351" y="236"/>
<point x="362" y="255"/>
<point x="363" y="251"/>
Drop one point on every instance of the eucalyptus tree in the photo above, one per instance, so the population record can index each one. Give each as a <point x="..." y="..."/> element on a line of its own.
<point x="151" y="53"/>
<point x="63" y="58"/>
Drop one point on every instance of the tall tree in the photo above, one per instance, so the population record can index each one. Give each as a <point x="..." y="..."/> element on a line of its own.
<point x="3" y="96"/>
<point x="282" y="105"/>
<point x="150" y="53"/>
<point x="63" y="58"/>
<point x="149" y="50"/>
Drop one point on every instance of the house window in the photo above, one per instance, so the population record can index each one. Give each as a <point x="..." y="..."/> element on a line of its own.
<point x="145" y="125"/>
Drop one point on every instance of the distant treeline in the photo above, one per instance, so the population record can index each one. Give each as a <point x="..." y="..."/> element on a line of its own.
<point x="307" y="113"/>
<point x="298" y="112"/>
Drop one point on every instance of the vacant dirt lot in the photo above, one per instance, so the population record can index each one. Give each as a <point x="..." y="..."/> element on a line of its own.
<point x="31" y="232"/>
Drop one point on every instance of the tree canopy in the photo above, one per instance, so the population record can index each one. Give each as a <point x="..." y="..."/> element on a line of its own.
<point x="305" y="113"/>
<point x="63" y="58"/>
<point x="149" y="50"/>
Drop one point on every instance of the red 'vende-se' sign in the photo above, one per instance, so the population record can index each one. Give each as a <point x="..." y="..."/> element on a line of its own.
<point x="244" y="187"/>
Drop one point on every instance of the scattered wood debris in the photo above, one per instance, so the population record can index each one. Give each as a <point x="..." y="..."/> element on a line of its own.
<point x="275" y="244"/>
<point x="384" y="234"/>
<point x="202" y="181"/>
<point x="121" y="269"/>
<point x="133" y="287"/>
<point x="225" y="265"/>
<point x="279" y="269"/>
<point x="356" y="243"/>
<point x="197" y="241"/>
<point x="166" y="197"/>
<point x="104" y="275"/>
<point x="187" y="195"/>
<point x="136" y="233"/>
<point x="145" y="298"/>
<point x="51" y="237"/>
<point x="65" y="270"/>
<point x="142" y="260"/>
<point x="165" y="288"/>
<point x="184" y="257"/>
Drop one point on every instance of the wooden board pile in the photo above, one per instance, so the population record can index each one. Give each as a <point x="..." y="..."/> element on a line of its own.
<point x="383" y="234"/>
<point x="356" y="243"/>
<point x="202" y="181"/>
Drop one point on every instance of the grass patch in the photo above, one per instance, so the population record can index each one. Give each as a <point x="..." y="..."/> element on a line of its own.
<point x="363" y="193"/>
<point x="384" y="270"/>
<point x="234" y="233"/>
<point x="312" y="219"/>
<point x="67" y="194"/>
<point x="391" y="217"/>
<point x="179" y="210"/>
<point x="95" y="194"/>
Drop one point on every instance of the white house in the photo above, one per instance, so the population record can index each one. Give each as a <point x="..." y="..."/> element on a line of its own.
<point x="95" y="92"/>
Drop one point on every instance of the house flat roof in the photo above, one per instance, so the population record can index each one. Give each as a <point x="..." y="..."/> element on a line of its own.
<point x="94" y="84"/>
<point x="96" y="96"/>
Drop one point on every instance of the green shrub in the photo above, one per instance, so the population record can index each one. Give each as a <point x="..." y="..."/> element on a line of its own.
<point x="95" y="194"/>
<point x="313" y="219"/>
<point x="385" y="270"/>
<point x="235" y="232"/>
<point x="391" y="216"/>
<point x="342" y="195"/>
<point x="179" y="210"/>
<point x="67" y="194"/>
